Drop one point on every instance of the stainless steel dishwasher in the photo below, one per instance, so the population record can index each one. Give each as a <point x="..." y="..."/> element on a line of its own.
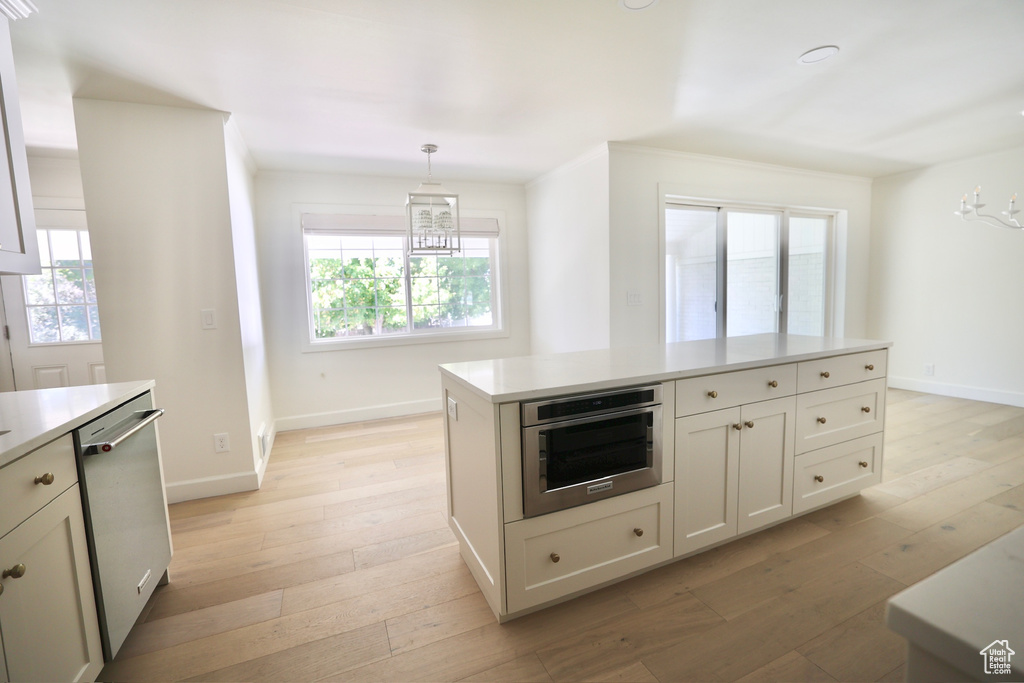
<point x="125" y="514"/>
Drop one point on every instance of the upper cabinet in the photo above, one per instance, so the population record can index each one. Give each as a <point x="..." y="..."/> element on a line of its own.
<point x="19" y="252"/>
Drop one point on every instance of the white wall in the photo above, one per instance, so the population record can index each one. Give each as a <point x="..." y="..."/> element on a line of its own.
<point x="241" y="177"/>
<point x="56" y="181"/>
<point x="569" y="260"/>
<point x="950" y="293"/>
<point x="312" y="388"/>
<point x="639" y="175"/>
<point x="156" y="193"/>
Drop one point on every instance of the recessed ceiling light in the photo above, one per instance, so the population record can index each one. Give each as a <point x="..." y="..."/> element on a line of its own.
<point x="637" y="5"/>
<point x="818" y="54"/>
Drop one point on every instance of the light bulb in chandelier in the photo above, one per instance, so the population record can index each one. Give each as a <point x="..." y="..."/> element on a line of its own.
<point x="972" y="212"/>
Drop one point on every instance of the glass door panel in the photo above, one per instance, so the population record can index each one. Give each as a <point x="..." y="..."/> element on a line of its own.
<point x="805" y="290"/>
<point x="752" y="273"/>
<point x="691" y="273"/>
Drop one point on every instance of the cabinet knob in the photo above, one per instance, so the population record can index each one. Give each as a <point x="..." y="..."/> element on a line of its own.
<point x="818" y="478"/>
<point x="866" y="409"/>
<point x="773" y="384"/>
<point x="749" y="423"/>
<point x="863" y="463"/>
<point x="713" y="394"/>
<point x="825" y="374"/>
<point x="45" y="479"/>
<point x="738" y="426"/>
<point x="638" y="531"/>
<point x="821" y="420"/>
<point x="869" y="367"/>
<point x="555" y="557"/>
<point x="15" y="572"/>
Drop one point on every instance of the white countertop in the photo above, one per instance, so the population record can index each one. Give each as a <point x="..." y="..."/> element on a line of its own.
<point x="527" y="377"/>
<point x="37" y="417"/>
<point x="961" y="609"/>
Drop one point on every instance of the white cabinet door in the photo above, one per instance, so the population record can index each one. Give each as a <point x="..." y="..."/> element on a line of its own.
<point x="766" y="463"/>
<point x="48" y="613"/>
<point x="18" y="248"/>
<point x="707" y="478"/>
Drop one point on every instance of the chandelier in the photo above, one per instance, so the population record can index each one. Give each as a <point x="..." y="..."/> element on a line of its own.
<point x="432" y="214"/>
<point x="972" y="212"/>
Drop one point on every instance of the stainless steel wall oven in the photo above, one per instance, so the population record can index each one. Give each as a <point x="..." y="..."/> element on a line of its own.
<point x="579" y="449"/>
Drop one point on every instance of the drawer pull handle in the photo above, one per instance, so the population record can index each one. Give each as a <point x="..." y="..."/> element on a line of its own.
<point x="773" y="384"/>
<point x="749" y="424"/>
<point x="869" y="367"/>
<point x="713" y="394"/>
<point x="866" y="409"/>
<point x="638" y="531"/>
<point x="818" y="478"/>
<point x="555" y="557"/>
<point x="738" y="426"/>
<point x="45" y="480"/>
<point x="821" y="420"/>
<point x="15" y="572"/>
<point x="864" y="464"/>
<point x="825" y="374"/>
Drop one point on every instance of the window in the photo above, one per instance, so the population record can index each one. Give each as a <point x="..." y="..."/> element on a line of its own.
<point x="736" y="271"/>
<point x="61" y="301"/>
<point x="362" y="285"/>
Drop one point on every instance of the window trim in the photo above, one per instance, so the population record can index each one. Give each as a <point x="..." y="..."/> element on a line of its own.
<point x="835" y="257"/>
<point x="386" y="219"/>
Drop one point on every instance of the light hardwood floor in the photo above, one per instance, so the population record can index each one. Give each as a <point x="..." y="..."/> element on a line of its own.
<point x="342" y="567"/>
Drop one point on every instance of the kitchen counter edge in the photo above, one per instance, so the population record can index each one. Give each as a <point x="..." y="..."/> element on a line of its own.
<point x="39" y="416"/>
<point x="602" y="369"/>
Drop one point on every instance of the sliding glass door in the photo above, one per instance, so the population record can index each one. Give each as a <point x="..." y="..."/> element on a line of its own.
<point x="732" y="272"/>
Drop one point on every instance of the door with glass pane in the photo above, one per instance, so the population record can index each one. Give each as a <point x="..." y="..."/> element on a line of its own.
<point x="752" y="272"/>
<point x="732" y="272"/>
<point x="53" y="317"/>
<point x="691" y="273"/>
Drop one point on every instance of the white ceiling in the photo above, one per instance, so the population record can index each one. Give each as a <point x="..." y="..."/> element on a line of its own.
<point x="510" y="89"/>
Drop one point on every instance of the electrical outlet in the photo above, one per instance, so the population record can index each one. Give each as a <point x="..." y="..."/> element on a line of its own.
<point x="453" y="408"/>
<point x="929" y="369"/>
<point x="221" y="443"/>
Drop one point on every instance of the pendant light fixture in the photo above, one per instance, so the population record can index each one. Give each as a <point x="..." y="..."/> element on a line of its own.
<point x="432" y="214"/>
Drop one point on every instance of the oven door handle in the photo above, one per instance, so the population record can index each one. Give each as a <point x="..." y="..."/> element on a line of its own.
<point x="136" y="422"/>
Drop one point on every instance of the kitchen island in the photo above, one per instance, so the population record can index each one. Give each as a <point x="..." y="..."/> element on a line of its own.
<point x="818" y="405"/>
<point x="48" y="609"/>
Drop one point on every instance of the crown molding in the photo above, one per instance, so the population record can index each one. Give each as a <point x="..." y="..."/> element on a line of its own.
<point x="17" y="9"/>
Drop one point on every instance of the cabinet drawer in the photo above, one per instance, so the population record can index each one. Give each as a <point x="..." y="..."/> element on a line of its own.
<point x="831" y="416"/>
<point x="714" y="392"/>
<point x="20" y="493"/>
<point x="556" y="555"/>
<point x="813" y="375"/>
<point x="837" y="471"/>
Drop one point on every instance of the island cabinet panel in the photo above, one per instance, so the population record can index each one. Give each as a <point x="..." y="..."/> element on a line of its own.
<point x="831" y="416"/>
<point x="707" y="455"/>
<point x="474" y="482"/>
<point x="728" y="389"/>
<point x="766" y="463"/>
<point x="829" y="474"/>
<point x="555" y="555"/>
<point x="835" y="371"/>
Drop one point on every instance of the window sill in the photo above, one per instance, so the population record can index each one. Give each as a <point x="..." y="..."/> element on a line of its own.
<point x="345" y="344"/>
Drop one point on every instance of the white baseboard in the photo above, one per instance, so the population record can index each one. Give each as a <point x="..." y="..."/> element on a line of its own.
<point x="1010" y="398"/>
<point x="337" y="417"/>
<point x="207" y="487"/>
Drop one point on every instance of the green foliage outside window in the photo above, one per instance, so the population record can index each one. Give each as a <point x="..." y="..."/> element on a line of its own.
<point x="61" y="300"/>
<point x="364" y="290"/>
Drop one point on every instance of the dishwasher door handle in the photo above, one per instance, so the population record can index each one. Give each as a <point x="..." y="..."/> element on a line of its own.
<point x="138" y="421"/>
